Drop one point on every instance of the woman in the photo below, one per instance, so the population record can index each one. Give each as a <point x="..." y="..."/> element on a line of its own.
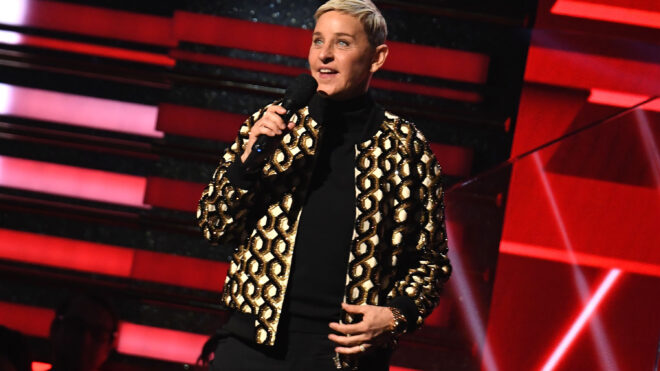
<point x="340" y="238"/>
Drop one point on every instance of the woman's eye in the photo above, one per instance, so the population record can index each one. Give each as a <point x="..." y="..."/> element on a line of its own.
<point x="342" y="43"/>
<point x="317" y="42"/>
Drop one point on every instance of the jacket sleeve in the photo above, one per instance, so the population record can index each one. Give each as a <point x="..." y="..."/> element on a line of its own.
<point x="425" y="262"/>
<point x="226" y="200"/>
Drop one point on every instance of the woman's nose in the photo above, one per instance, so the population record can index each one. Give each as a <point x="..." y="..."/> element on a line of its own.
<point x="326" y="53"/>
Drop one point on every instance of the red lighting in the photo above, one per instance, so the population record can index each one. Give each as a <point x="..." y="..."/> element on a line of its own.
<point x="607" y="13"/>
<point x="15" y="38"/>
<point x="31" y="321"/>
<point x="587" y="71"/>
<point x="456" y="161"/>
<point x="133" y="339"/>
<point x="71" y="181"/>
<point x="592" y="260"/>
<point x="40" y="366"/>
<point x="199" y="122"/>
<point x="111" y="260"/>
<point x="65" y="253"/>
<point x="88" y="20"/>
<point x="173" y="194"/>
<point x="621" y="99"/>
<point x="159" y="343"/>
<point x="586" y="314"/>
<point x="78" y="110"/>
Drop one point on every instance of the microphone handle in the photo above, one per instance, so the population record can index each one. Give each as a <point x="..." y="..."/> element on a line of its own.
<point x="262" y="143"/>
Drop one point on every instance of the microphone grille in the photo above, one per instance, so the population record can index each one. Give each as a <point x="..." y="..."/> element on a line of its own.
<point x="299" y="92"/>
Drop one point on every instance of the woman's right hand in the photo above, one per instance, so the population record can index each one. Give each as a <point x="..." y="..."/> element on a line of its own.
<point x="270" y="124"/>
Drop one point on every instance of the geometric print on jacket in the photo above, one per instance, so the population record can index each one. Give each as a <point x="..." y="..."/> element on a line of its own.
<point x="399" y="243"/>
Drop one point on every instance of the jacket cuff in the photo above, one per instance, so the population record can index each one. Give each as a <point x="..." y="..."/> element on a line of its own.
<point x="238" y="174"/>
<point x="408" y="308"/>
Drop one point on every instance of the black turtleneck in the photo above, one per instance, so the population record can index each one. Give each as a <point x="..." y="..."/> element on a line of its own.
<point x="320" y="259"/>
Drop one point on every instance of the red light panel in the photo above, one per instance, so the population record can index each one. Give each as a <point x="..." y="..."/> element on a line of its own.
<point x="15" y="38"/>
<point x="607" y="13"/>
<point x="78" y="110"/>
<point x="71" y="181"/>
<point x="133" y="339"/>
<point x="65" y="253"/>
<point x="564" y="256"/>
<point x="173" y="194"/>
<point x="621" y="99"/>
<point x="41" y="366"/>
<point x="587" y="71"/>
<point x="159" y="343"/>
<point x="179" y="270"/>
<point x="456" y="161"/>
<point x="199" y="122"/>
<point x="31" y="321"/>
<point x="112" y="260"/>
<point x="88" y="20"/>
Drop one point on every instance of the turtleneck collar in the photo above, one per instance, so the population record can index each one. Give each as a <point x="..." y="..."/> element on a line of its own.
<point x="360" y="113"/>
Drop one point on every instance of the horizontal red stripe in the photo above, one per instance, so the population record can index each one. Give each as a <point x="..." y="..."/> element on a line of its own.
<point x="41" y="366"/>
<point x="179" y="270"/>
<point x="608" y="13"/>
<point x="275" y="39"/>
<point x="455" y="161"/>
<point x="173" y="194"/>
<point x="31" y="321"/>
<point x="71" y="181"/>
<point x="592" y="260"/>
<point x="79" y="110"/>
<point x="625" y="100"/>
<point x="437" y="62"/>
<point x="133" y="339"/>
<point x="587" y="71"/>
<point x="199" y="122"/>
<point x="239" y="34"/>
<point x="111" y="260"/>
<point x="87" y="20"/>
<point x="159" y="343"/>
<point x="15" y="38"/>
<point x="65" y="253"/>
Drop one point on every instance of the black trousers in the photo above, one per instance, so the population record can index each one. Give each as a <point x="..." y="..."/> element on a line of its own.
<point x="294" y="351"/>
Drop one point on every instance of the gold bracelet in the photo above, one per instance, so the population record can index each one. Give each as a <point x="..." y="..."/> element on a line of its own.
<point x="400" y="323"/>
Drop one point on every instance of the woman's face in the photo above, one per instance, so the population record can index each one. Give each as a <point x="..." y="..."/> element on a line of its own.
<point x="340" y="57"/>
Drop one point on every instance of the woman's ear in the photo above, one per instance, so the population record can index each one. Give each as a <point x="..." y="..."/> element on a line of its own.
<point x="379" y="57"/>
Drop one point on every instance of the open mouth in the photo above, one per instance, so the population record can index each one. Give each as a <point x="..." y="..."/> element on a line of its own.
<point x="327" y="72"/>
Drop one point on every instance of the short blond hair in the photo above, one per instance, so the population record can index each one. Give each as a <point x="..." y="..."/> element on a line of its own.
<point x="373" y="22"/>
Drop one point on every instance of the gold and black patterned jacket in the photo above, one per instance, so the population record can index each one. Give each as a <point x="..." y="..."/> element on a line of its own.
<point x="399" y="245"/>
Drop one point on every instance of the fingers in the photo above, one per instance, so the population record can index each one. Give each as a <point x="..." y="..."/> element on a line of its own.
<point x="353" y="329"/>
<point x="271" y="123"/>
<point x="362" y="348"/>
<point x="348" y="341"/>
<point x="354" y="309"/>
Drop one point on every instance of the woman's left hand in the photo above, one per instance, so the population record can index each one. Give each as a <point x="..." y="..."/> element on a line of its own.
<point x="373" y="330"/>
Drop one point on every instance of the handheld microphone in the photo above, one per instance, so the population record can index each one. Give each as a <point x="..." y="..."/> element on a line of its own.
<point x="296" y="97"/>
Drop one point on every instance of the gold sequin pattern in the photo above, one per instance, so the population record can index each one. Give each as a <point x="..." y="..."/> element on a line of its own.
<point x="398" y="216"/>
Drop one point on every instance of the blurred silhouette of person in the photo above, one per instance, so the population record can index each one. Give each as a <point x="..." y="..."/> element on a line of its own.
<point x="14" y="351"/>
<point x="82" y="335"/>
